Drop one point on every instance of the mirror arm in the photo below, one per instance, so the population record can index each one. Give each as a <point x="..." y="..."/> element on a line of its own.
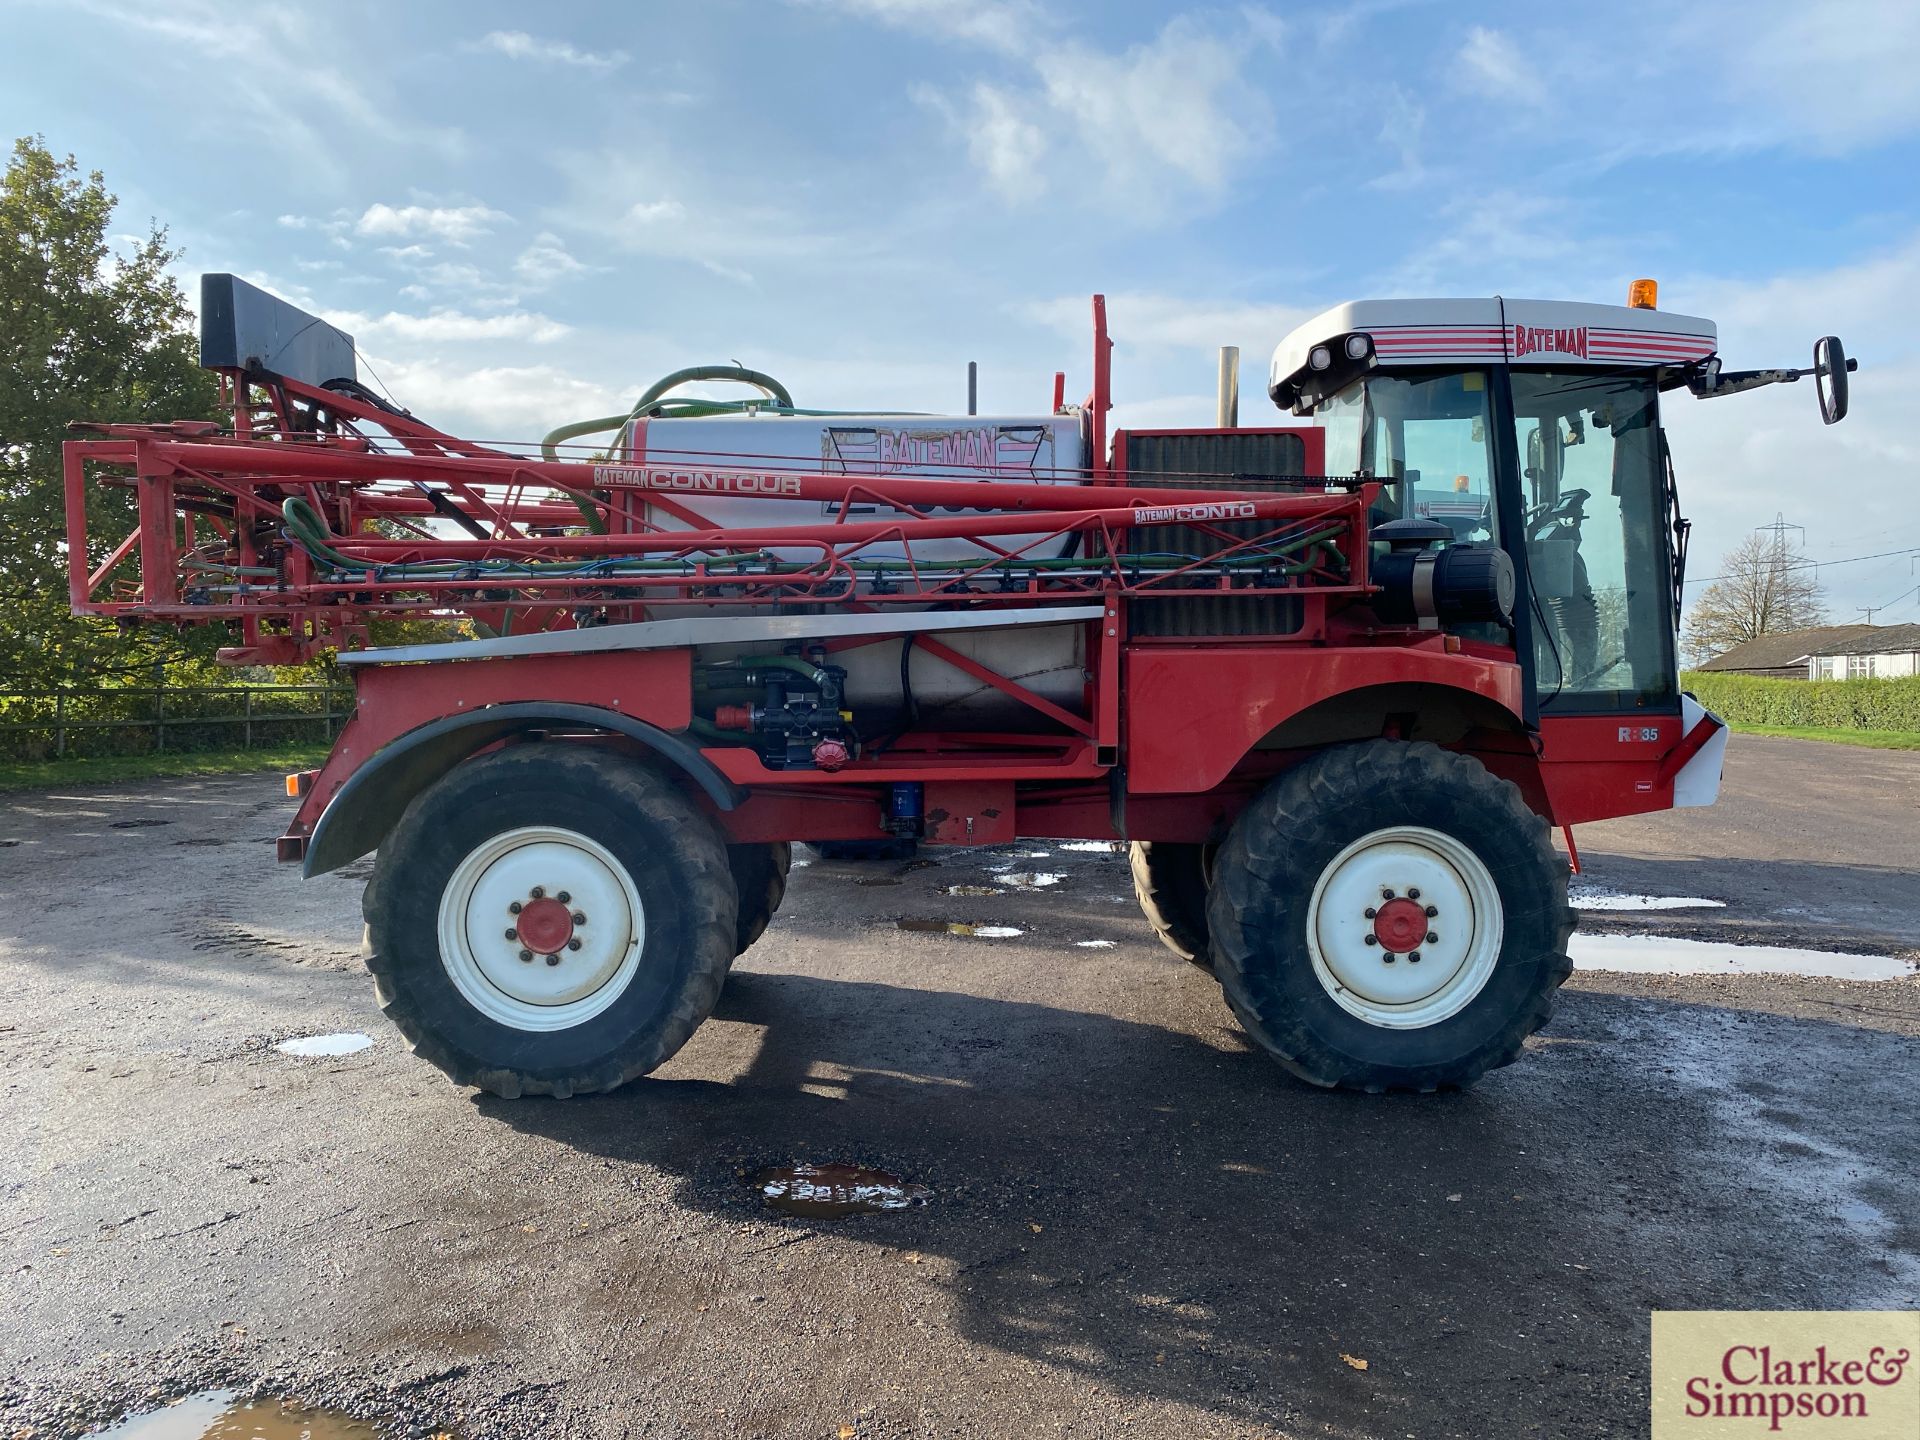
<point x="1707" y="384"/>
<point x="1708" y="381"/>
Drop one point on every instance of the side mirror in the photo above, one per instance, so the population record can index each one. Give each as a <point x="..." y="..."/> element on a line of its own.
<point x="1830" y="367"/>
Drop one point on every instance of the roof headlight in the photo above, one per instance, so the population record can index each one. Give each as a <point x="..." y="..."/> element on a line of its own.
<point x="1320" y="358"/>
<point x="1359" y="346"/>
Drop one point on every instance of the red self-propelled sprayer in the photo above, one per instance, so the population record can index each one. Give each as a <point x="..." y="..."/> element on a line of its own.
<point x="1332" y="683"/>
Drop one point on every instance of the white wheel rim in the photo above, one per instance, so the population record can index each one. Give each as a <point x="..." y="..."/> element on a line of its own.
<point x="1397" y="874"/>
<point x="586" y="958"/>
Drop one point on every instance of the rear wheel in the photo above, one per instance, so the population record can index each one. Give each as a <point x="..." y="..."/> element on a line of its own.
<point x="1170" y="882"/>
<point x="760" y="877"/>
<point x="1390" y="916"/>
<point x="550" y="920"/>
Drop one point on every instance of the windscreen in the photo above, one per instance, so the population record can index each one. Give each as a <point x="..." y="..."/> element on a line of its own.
<point x="1589" y="448"/>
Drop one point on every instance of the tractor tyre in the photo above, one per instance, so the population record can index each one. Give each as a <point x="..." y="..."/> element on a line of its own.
<point x="1170" y="882"/>
<point x="550" y="920"/>
<point x="760" y="877"/>
<point x="1390" y="916"/>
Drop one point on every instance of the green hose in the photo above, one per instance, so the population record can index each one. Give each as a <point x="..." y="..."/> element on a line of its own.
<point x="772" y="388"/>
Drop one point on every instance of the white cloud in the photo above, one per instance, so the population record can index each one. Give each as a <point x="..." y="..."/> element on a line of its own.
<point x="1743" y="458"/>
<point x="1826" y="77"/>
<point x="655" y="212"/>
<point x="1005" y="25"/>
<point x="1179" y="110"/>
<point x="268" y="65"/>
<point x="498" y="402"/>
<point x="457" y="225"/>
<point x="454" y="326"/>
<point x="1491" y="64"/>
<point x="518" y="45"/>
<point x="547" y="259"/>
<point x="1403" y="123"/>
<point x="407" y="252"/>
<point x="1001" y="140"/>
<point x="1145" y="320"/>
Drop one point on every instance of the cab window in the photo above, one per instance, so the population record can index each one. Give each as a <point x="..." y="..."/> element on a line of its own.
<point x="1429" y="431"/>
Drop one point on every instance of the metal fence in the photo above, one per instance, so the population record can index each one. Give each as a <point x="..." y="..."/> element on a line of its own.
<point x="50" y="724"/>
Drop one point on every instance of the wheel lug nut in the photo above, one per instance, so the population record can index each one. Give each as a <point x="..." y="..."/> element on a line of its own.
<point x="538" y="891"/>
<point x="515" y="908"/>
<point x="1413" y="894"/>
<point x="1432" y="910"/>
<point x="553" y="959"/>
<point x="1388" y="957"/>
<point x="1385" y="894"/>
<point x="573" y="944"/>
<point x="526" y="955"/>
<point x="1413" y="958"/>
<point x="1373" y="939"/>
<point x="579" y="918"/>
<point x="1432" y="939"/>
<point x="1371" y="912"/>
<point x="563" y="897"/>
<point x="513" y="934"/>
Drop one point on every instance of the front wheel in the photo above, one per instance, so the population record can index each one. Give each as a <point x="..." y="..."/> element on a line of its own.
<point x="1390" y="916"/>
<point x="550" y="919"/>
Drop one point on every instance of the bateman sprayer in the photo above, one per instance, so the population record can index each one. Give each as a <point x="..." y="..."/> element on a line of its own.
<point x="1333" y="683"/>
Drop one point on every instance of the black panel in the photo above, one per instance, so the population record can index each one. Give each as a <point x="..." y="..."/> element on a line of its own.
<point x="242" y="327"/>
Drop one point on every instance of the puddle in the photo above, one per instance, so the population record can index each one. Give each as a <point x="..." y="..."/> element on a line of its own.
<point x="1599" y="898"/>
<point x="1093" y="944"/>
<point x="1027" y="879"/>
<point x="136" y="824"/>
<point x="878" y="880"/>
<point x="954" y="927"/>
<point x="315" y="1046"/>
<point x="1091" y="847"/>
<point x="1655" y="955"/>
<point x="971" y="890"/>
<point x="830" y="1192"/>
<point x="216" y="1415"/>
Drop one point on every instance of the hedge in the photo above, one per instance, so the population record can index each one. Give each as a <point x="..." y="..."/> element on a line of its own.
<point x="1818" y="704"/>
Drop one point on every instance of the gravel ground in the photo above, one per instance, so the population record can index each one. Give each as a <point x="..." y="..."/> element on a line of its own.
<point x="1137" y="1224"/>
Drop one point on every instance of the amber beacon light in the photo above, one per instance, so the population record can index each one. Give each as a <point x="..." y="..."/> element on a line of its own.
<point x="1644" y="295"/>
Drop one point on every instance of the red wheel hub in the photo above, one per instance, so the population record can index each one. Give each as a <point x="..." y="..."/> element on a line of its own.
<point x="1401" y="926"/>
<point x="545" y="925"/>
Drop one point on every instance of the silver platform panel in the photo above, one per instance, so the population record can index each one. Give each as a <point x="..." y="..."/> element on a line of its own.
<point x="721" y="630"/>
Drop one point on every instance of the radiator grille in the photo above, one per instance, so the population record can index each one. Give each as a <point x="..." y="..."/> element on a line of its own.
<point x="1232" y="461"/>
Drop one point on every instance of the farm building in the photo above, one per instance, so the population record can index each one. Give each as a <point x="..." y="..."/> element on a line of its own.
<point x="1787" y="655"/>
<point x="1883" y="652"/>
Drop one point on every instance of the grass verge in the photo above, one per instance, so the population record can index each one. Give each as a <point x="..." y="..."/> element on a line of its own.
<point x="1870" y="739"/>
<point x="42" y="774"/>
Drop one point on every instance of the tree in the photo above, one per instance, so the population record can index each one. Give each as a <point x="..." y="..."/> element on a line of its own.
<point x="1763" y="588"/>
<point x="86" y="333"/>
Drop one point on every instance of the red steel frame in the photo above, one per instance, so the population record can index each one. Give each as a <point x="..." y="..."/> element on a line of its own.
<point x="1178" y="722"/>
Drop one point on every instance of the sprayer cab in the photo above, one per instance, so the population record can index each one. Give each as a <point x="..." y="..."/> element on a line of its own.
<point x="1530" y="428"/>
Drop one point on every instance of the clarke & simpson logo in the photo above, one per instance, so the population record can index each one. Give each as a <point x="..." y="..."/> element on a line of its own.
<point x="1805" y="1374"/>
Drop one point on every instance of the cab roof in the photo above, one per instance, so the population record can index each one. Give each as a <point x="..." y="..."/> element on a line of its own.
<point x="1490" y="331"/>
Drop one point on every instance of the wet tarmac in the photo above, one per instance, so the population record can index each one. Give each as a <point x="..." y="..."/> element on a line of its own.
<point x="835" y="1191"/>
<point x="1138" y="1226"/>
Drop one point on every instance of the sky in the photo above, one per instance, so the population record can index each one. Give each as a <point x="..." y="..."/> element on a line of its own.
<point x="526" y="214"/>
